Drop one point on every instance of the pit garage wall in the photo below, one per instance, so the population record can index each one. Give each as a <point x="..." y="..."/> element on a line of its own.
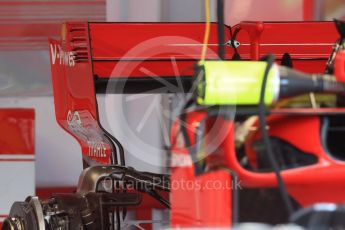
<point x="263" y="10"/>
<point x="17" y="157"/>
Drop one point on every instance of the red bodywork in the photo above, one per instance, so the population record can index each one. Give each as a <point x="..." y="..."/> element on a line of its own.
<point x="112" y="51"/>
<point x="309" y="45"/>
<point x="307" y="185"/>
<point x="74" y="92"/>
<point x="197" y="200"/>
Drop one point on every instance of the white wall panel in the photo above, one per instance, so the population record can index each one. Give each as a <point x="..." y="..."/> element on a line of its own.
<point x="17" y="182"/>
<point x="58" y="155"/>
<point x="263" y="10"/>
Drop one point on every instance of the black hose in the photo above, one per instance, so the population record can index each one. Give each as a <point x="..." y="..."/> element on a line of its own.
<point x="119" y="145"/>
<point x="267" y="141"/>
<point x="233" y="36"/>
<point x="235" y="198"/>
<point x="220" y="22"/>
<point x="113" y="157"/>
<point x="113" y="141"/>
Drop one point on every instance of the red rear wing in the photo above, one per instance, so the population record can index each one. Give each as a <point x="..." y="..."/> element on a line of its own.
<point x="149" y="45"/>
<point x="91" y="54"/>
<point x="74" y="92"/>
<point x="308" y="43"/>
<point x="135" y="57"/>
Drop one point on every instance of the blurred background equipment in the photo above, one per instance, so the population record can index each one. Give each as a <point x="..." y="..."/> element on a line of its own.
<point x="17" y="157"/>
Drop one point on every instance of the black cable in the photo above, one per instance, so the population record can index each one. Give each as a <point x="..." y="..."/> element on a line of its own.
<point x="237" y="30"/>
<point x="119" y="145"/>
<point x="118" y="218"/>
<point x="267" y="141"/>
<point x="159" y="198"/>
<point x="116" y="214"/>
<point x="189" y="101"/>
<point x="113" y="157"/>
<point x="122" y="162"/>
<point x="233" y="36"/>
<point x="113" y="141"/>
<point x="199" y="163"/>
<point x="220" y="23"/>
<point x="113" y="216"/>
<point x="234" y="176"/>
<point x="235" y="199"/>
<point x="193" y="150"/>
<point x="221" y="53"/>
